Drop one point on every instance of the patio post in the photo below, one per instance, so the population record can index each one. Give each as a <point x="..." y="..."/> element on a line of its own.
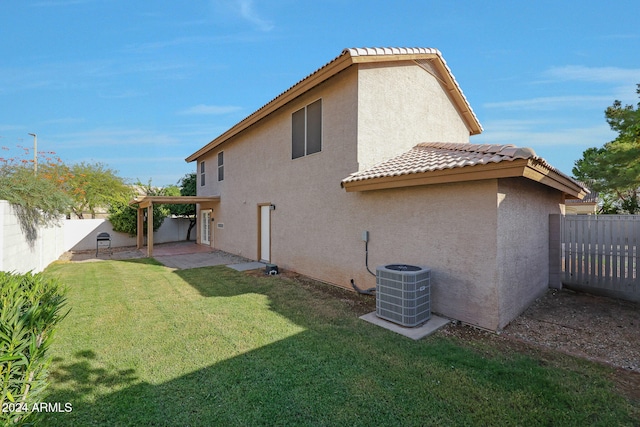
<point x="140" y="228"/>
<point x="150" y="230"/>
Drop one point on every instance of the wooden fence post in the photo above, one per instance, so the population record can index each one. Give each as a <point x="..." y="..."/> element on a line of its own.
<point x="555" y="251"/>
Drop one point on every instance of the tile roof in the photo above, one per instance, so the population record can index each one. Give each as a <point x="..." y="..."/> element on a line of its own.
<point x="377" y="51"/>
<point x="347" y="58"/>
<point x="433" y="156"/>
<point x="589" y="198"/>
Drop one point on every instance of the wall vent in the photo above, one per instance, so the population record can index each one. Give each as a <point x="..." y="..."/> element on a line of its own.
<point x="403" y="294"/>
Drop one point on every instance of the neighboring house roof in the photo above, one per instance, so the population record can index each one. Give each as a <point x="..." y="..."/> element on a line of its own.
<point x="435" y="163"/>
<point x="588" y="205"/>
<point x="347" y="58"/>
<point x="591" y="198"/>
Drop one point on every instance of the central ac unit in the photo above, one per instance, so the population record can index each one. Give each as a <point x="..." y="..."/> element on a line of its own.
<point x="403" y="294"/>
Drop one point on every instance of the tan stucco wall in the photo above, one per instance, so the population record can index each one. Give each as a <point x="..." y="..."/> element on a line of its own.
<point x="449" y="228"/>
<point x="259" y="169"/>
<point x="358" y="130"/>
<point x="523" y="243"/>
<point x="316" y="226"/>
<point x="400" y="105"/>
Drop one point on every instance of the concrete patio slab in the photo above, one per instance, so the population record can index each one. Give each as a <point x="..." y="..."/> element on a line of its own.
<point x="178" y="248"/>
<point x="429" y="327"/>
<point x="185" y="255"/>
<point x="201" y="259"/>
<point x="246" y="266"/>
<point x="179" y="255"/>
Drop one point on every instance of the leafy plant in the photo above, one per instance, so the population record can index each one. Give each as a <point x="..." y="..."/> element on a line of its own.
<point x="95" y="186"/>
<point x="187" y="187"/>
<point x="30" y="308"/>
<point x="613" y="170"/>
<point x="124" y="217"/>
<point x="36" y="199"/>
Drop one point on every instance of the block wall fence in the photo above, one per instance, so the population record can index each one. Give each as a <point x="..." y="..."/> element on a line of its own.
<point x="18" y="254"/>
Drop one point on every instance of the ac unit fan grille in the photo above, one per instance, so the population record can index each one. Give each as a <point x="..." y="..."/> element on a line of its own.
<point x="403" y="294"/>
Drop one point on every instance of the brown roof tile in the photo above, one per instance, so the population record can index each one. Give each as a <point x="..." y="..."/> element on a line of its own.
<point x="432" y="156"/>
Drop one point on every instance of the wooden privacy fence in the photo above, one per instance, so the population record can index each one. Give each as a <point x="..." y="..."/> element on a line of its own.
<point x="600" y="254"/>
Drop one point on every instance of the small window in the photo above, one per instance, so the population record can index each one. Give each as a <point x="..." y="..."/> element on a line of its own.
<point x="221" y="166"/>
<point x="202" y="181"/>
<point x="306" y="134"/>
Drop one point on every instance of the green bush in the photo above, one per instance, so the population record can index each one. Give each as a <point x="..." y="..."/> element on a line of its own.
<point x="124" y="218"/>
<point x="30" y="308"/>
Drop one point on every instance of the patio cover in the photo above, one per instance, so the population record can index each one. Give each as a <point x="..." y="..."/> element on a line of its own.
<point x="146" y="202"/>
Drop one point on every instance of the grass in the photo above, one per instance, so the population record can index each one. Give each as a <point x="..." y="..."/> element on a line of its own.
<point x="146" y="345"/>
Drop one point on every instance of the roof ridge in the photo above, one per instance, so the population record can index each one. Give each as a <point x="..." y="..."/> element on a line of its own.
<point x="510" y="150"/>
<point x="364" y="51"/>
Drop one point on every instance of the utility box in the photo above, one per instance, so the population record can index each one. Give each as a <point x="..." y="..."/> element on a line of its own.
<point x="403" y="294"/>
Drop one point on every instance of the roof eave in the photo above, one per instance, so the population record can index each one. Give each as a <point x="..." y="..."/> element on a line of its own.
<point x="526" y="168"/>
<point x="442" y="176"/>
<point x="455" y="92"/>
<point x="553" y="179"/>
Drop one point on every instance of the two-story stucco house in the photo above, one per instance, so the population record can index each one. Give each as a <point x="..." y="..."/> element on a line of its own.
<point x="377" y="140"/>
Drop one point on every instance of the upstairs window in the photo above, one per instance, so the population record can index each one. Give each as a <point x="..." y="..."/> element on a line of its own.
<point x="202" y="181"/>
<point x="307" y="130"/>
<point x="221" y="166"/>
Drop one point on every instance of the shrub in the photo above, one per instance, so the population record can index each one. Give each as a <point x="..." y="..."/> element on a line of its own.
<point x="36" y="200"/>
<point x="30" y="308"/>
<point x="124" y="218"/>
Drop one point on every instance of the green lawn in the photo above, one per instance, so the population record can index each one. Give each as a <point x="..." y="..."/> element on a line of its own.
<point x="145" y="345"/>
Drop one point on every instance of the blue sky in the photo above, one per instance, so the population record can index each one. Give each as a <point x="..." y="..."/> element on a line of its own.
<point x="140" y="85"/>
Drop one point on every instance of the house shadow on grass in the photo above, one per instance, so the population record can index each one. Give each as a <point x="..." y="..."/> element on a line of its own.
<point x="288" y="376"/>
<point x="337" y="371"/>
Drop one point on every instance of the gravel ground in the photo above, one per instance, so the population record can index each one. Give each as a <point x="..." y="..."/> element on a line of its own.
<point x="600" y="329"/>
<point x="597" y="328"/>
<point x="127" y="252"/>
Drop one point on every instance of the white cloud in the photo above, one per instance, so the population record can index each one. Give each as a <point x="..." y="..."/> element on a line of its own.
<point x="551" y="102"/>
<point x="203" y="109"/>
<point x="248" y="12"/>
<point x="64" y="121"/>
<point x="610" y="83"/>
<point x="49" y="3"/>
<point x="10" y="128"/>
<point x="529" y="133"/>
<point x="613" y="75"/>
<point x="178" y="41"/>
<point x="111" y="137"/>
<point x="627" y="36"/>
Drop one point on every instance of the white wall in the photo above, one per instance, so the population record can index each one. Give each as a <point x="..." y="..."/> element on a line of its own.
<point x="80" y="234"/>
<point x="20" y="256"/>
